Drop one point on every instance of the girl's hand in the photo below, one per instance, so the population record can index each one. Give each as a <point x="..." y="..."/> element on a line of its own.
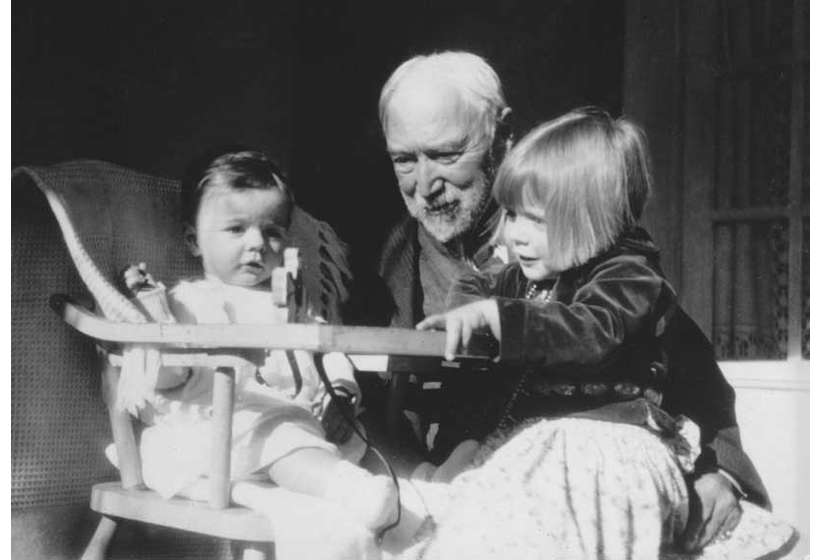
<point x="136" y="278"/>
<point x="460" y="324"/>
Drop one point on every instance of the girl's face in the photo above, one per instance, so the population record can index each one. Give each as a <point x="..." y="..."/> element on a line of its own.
<point x="240" y="234"/>
<point x="526" y="234"/>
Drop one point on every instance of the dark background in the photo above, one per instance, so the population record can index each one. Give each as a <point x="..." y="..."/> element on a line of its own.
<point x="150" y="85"/>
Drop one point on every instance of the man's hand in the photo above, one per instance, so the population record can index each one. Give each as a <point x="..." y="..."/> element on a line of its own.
<point x="336" y="419"/>
<point x="460" y="323"/>
<point x="713" y="511"/>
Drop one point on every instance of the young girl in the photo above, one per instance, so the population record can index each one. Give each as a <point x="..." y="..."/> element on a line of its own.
<point x="575" y="447"/>
<point x="236" y="219"/>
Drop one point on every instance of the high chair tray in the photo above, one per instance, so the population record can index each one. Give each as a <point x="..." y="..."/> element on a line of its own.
<point x="234" y="523"/>
<point x="310" y="337"/>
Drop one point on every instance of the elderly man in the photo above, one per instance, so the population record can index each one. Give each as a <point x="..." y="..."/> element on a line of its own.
<point x="446" y="126"/>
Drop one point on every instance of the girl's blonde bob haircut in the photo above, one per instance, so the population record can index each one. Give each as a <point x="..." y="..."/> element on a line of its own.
<point x="588" y="172"/>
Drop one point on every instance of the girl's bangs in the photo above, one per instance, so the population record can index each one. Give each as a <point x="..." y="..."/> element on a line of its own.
<point x="516" y="188"/>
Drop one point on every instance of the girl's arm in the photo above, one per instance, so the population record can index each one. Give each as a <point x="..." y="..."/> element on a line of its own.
<point x="621" y="297"/>
<point x="470" y="287"/>
<point x="462" y="322"/>
<point x="470" y="308"/>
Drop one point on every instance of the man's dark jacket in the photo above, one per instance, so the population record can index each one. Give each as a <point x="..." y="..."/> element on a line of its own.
<point x="696" y="386"/>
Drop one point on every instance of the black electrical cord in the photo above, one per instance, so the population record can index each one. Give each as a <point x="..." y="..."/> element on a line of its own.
<point x="320" y="368"/>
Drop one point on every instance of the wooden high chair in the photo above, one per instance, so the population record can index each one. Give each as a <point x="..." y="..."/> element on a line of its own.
<point x="109" y="217"/>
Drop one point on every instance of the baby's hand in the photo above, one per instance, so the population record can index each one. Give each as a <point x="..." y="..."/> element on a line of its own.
<point x="137" y="279"/>
<point x="460" y="323"/>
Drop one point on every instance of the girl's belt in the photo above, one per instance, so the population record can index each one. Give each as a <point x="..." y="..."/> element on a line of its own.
<point x="612" y="391"/>
<point x="623" y="389"/>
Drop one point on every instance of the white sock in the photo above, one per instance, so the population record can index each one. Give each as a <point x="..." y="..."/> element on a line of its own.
<point x="372" y="499"/>
<point x="414" y="512"/>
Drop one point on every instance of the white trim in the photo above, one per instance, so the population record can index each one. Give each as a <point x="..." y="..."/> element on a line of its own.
<point x="778" y="375"/>
<point x="369" y="362"/>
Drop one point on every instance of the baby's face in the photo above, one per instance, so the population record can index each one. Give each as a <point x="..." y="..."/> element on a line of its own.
<point x="241" y="234"/>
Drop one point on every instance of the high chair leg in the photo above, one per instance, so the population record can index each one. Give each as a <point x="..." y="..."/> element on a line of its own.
<point x="98" y="545"/>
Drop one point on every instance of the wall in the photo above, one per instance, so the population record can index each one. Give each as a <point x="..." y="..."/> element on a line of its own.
<point x="150" y="85"/>
<point x="773" y="412"/>
<point x="669" y="75"/>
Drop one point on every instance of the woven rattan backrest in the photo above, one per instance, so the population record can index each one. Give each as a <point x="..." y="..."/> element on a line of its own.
<point x="59" y="425"/>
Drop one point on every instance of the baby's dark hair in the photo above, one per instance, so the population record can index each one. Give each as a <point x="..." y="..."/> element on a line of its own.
<point x="236" y="169"/>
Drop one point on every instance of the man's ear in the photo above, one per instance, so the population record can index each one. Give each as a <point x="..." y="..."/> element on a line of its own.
<point x="189" y="234"/>
<point x="503" y="139"/>
<point x="504" y="131"/>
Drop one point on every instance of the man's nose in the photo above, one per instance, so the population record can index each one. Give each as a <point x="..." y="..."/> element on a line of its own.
<point x="428" y="180"/>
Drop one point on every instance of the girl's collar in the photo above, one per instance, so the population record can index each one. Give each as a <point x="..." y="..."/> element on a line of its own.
<point x="542" y="290"/>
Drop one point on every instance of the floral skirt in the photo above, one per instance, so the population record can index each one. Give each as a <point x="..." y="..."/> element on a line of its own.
<point x="577" y="489"/>
<point x="562" y="488"/>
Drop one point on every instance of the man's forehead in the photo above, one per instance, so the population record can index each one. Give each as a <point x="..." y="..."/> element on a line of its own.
<point x="428" y="113"/>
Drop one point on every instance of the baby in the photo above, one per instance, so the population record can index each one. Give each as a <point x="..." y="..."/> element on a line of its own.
<point x="236" y="218"/>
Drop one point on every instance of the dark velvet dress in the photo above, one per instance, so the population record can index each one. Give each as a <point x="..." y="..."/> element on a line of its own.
<point x="693" y="385"/>
<point x="577" y="459"/>
<point x="591" y="348"/>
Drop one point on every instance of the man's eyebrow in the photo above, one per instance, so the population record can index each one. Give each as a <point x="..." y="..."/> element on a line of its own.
<point x="399" y="152"/>
<point x="456" y="145"/>
<point x="450" y="145"/>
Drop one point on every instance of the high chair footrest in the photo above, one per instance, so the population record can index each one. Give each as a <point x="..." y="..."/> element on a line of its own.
<point x="233" y="523"/>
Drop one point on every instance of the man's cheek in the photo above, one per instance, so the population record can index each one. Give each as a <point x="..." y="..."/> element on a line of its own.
<point x="467" y="177"/>
<point x="411" y="205"/>
<point x="406" y="185"/>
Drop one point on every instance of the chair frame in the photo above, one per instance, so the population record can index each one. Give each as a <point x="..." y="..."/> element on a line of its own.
<point x="221" y="348"/>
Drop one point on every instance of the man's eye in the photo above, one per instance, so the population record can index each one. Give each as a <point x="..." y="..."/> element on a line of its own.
<point x="403" y="163"/>
<point x="447" y="157"/>
<point x="234" y="229"/>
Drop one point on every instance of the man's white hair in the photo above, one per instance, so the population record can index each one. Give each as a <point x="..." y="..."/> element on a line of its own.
<point x="467" y="73"/>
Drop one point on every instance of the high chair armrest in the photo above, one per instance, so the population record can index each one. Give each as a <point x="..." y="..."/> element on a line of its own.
<point x="197" y="358"/>
<point x="310" y="337"/>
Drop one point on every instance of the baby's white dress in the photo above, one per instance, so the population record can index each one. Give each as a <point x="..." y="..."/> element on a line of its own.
<point x="269" y="421"/>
